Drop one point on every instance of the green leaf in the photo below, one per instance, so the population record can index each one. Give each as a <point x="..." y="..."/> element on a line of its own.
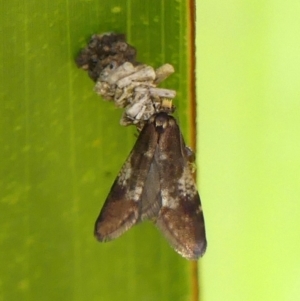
<point x="62" y="147"/>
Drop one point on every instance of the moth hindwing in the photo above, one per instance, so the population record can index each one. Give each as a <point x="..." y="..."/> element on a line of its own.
<point x="156" y="183"/>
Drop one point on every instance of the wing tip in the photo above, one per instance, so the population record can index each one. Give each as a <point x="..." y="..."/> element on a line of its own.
<point x="112" y="223"/>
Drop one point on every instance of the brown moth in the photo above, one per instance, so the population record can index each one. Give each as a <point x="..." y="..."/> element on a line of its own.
<point x="156" y="183"/>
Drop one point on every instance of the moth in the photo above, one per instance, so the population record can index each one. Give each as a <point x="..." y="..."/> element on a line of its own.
<point x="156" y="183"/>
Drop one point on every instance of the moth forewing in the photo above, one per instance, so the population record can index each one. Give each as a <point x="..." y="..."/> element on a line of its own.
<point x="180" y="218"/>
<point x="123" y="207"/>
<point x="183" y="229"/>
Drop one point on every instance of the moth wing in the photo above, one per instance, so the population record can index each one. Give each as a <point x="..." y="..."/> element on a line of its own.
<point x="122" y="208"/>
<point x="183" y="227"/>
<point x="151" y="199"/>
<point x="180" y="218"/>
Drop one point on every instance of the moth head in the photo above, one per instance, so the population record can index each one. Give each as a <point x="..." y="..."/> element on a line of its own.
<point x="161" y="121"/>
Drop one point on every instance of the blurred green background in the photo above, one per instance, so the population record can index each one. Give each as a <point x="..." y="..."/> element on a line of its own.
<point x="248" y="69"/>
<point x="62" y="147"/>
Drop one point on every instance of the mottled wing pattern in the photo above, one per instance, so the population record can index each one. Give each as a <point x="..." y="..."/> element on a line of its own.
<point x="123" y="207"/>
<point x="180" y="218"/>
<point x="156" y="183"/>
